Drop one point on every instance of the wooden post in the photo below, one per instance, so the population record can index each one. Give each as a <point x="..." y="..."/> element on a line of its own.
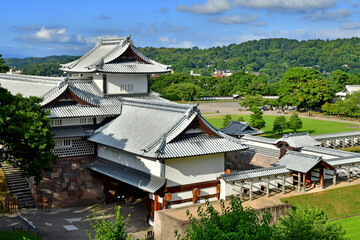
<point x="304" y="182"/>
<point x="196" y="193"/>
<point x="283" y="186"/>
<point x="321" y="177"/>
<point x="267" y="187"/>
<point x="334" y="177"/>
<point x="166" y="199"/>
<point x="251" y="193"/>
<point x="241" y="190"/>
<point x="348" y="173"/>
<point x="352" y="141"/>
<point x="299" y="182"/>
<point x="156" y="203"/>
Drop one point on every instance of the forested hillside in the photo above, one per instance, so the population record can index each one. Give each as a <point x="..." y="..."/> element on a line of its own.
<point x="270" y="56"/>
<point x="46" y="66"/>
<point x="273" y="57"/>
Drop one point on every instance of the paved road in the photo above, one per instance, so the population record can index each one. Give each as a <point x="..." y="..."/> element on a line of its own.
<point x="71" y="223"/>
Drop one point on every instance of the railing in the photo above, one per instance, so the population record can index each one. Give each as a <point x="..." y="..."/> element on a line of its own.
<point x="10" y="203"/>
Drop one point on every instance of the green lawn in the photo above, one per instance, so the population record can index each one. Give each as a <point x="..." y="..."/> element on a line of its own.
<point x="336" y="203"/>
<point x="352" y="227"/>
<point x="8" y="235"/>
<point x="313" y="126"/>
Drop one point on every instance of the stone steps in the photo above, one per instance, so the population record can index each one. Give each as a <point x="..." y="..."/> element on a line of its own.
<point x="18" y="186"/>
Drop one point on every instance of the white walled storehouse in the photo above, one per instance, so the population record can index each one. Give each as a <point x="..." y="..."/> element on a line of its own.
<point x="116" y="139"/>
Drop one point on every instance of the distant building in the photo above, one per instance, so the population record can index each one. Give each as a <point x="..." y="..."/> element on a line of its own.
<point x="194" y="74"/>
<point x="13" y="70"/>
<point x="238" y="129"/>
<point x="349" y="89"/>
<point x="222" y="73"/>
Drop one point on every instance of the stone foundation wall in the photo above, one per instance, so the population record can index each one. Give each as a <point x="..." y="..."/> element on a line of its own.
<point x="165" y="223"/>
<point x="70" y="184"/>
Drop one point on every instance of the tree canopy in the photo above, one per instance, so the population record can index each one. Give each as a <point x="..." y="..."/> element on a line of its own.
<point x="294" y="122"/>
<point x="25" y="134"/>
<point x="304" y="88"/>
<point x="3" y="67"/>
<point x="234" y="222"/>
<point x="256" y="118"/>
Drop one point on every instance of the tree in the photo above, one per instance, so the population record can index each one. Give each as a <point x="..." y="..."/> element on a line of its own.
<point x="249" y="101"/>
<point x="185" y="91"/>
<point x="3" y="67"/>
<point x="294" y="122"/>
<point x="25" y="134"/>
<point x="308" y="223"/>
<point x="256" y="118"/>
<point x="227" y="119"/>
<point x="241" y="119"/>
<point x="304" y="88"/>
<point x="279" y="124"/>
<point x="107" y="229"/>
<point x="234" y="222"/>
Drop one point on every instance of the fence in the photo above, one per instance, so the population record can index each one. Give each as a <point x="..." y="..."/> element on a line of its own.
<point x="10" y="203"/>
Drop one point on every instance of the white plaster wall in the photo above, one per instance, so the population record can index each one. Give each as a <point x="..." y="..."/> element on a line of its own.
<point x="72" y="122"/>
<point x="98" y="80"/>
<point x="188" y="194"/>
<point x="191" y="204"/>
<point x="265" y="145"/>
<point x="181" y="171"/>
<point x="115" y="80"/>
<point x="130" y="160"/>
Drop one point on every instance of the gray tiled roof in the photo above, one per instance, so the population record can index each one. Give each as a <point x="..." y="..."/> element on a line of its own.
<point x="236" y="128"/>
<point x="28" y="85"/>
<point x="254" y="173"/>
<point x="298" y="140"/>
<point x="106" y="57"/>
<point x="151" y="129"/>
<point x="107" y="107"/>
<point x="275" y="153"/>
<point x="198" y="145"/>
<point x="251" y="138"/>
<point x="336" y="135"/>
<point x="133" y="177"/>
<point x="329" y="151"/>
<point x="343" y="161"/>
<point x="299" y="162"/>
<point x="73" y="131"/>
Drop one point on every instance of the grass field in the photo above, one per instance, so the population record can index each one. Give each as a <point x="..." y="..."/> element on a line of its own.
<point x="336" y="203"/>
<point x="313" y="126"/>
<point x="8" y="235"/>
<point x="352" y="227"/>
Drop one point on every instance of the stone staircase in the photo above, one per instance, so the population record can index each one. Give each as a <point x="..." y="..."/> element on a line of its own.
<point x="18" y="186"/>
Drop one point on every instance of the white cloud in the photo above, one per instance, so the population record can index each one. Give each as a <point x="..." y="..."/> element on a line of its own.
<point x="104" y="17"/>
<point x="235" y="19"/>
<point x="167" y="40"/>
<point x="337" y="15"/>
<point x="48" y="34"/>
<point x="297" y="5"/>
<point x="209" y="7"/>
<point x="183" y="44"/>
<point x="353" y="25"/>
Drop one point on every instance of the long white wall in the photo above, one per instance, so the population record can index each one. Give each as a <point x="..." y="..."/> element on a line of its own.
<point x="130" y="160"/>
<point x="181" y="171"/>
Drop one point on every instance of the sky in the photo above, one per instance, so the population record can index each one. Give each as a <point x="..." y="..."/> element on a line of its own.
<point x="39" y="28"/>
